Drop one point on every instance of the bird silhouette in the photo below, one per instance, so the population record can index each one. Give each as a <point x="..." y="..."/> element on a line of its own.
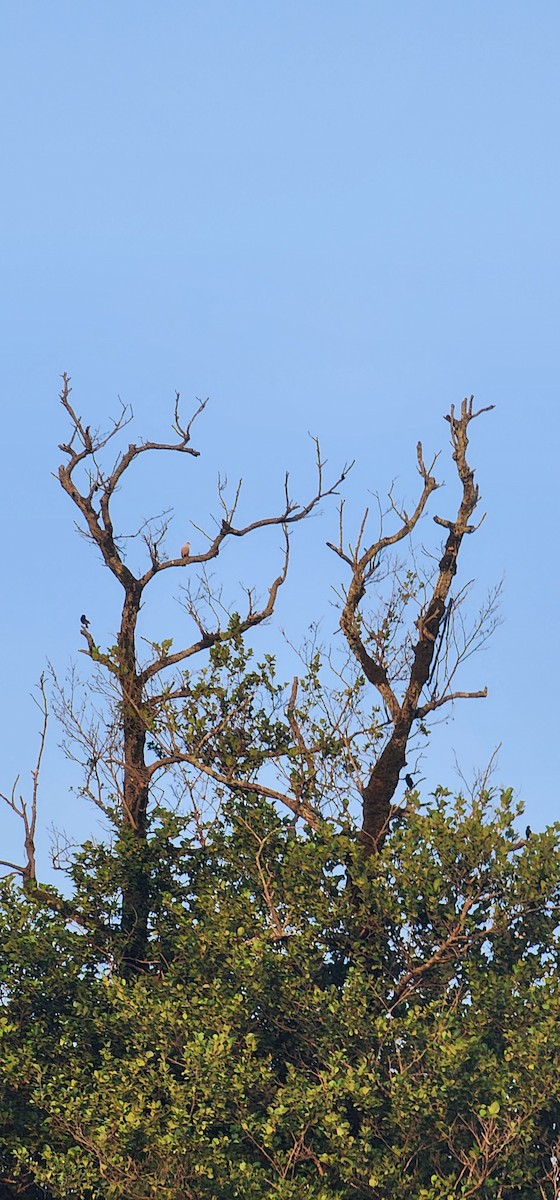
<point x="84" y="621"/>
<point x="409" y="782"/>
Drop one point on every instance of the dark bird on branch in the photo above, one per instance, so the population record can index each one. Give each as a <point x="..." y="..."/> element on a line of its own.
<point x="84" y="621"/>
<point x="409" y="782"/>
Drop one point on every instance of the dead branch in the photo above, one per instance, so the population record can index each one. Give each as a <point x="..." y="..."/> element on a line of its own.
<point x="91" y="741"/>
<point x="208" y="638"/>
<point x="430" y="625"/>
<point x="83" y="445"/>
<point x="28" y="812"/>
<point x="363" y="568"/>
<point x="290" y="515"/>
<point x="136" y="708"/>
<point x="449" y="698"/>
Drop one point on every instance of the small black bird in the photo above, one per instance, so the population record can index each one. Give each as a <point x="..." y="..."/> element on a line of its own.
<point x="84" y="621"/>
<point x="528" y="831"/>
<point x="409" y="782"/>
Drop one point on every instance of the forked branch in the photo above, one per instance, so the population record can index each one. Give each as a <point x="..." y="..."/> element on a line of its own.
<point x="406" y="708"/>
<point x="27" y="812"/>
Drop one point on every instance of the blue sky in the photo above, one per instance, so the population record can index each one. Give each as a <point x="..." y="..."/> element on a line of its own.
<point x="328" y="217"/>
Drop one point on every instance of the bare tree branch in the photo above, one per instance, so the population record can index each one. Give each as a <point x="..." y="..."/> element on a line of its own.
<point x="28" y="813"/>
<point x="433" y="704"/>
<point x="136" y="706"/>
<point x="404" y="711"/>
<point x="210" y="638"/>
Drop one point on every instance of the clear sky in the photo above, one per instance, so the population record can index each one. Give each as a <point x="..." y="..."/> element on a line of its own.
<point x="328" y="217"/>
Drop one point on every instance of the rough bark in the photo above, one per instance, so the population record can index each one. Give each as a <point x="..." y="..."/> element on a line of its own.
<point x="137" y="704"/>
<point x="379" y="789"/>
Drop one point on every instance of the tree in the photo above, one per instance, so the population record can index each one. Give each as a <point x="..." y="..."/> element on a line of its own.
<point x="258" y="994"/>
<point x="146" y="704"/>
<point x="396" y="1038"/>
<point x="159" y="711"/>
<point x="422" y="657"/>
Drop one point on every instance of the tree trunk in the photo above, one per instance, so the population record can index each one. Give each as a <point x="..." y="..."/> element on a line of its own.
<point x="136" y="878"/>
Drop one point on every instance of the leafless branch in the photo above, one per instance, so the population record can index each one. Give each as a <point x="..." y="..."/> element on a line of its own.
<point x="291" y="513"/>
<point x="209" y="638"/>
<point x="28" y="812"/>
<point x="449" y="698"/>
<point x="420" y="655"/>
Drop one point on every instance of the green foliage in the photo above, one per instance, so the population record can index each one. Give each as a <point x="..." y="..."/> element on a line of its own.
<point x="232" y="717"/>
<point x="313" y="1024"/>
<point x="231" y="1003"/>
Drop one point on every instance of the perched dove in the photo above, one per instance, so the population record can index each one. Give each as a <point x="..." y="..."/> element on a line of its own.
<point x="185" y="550"/>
